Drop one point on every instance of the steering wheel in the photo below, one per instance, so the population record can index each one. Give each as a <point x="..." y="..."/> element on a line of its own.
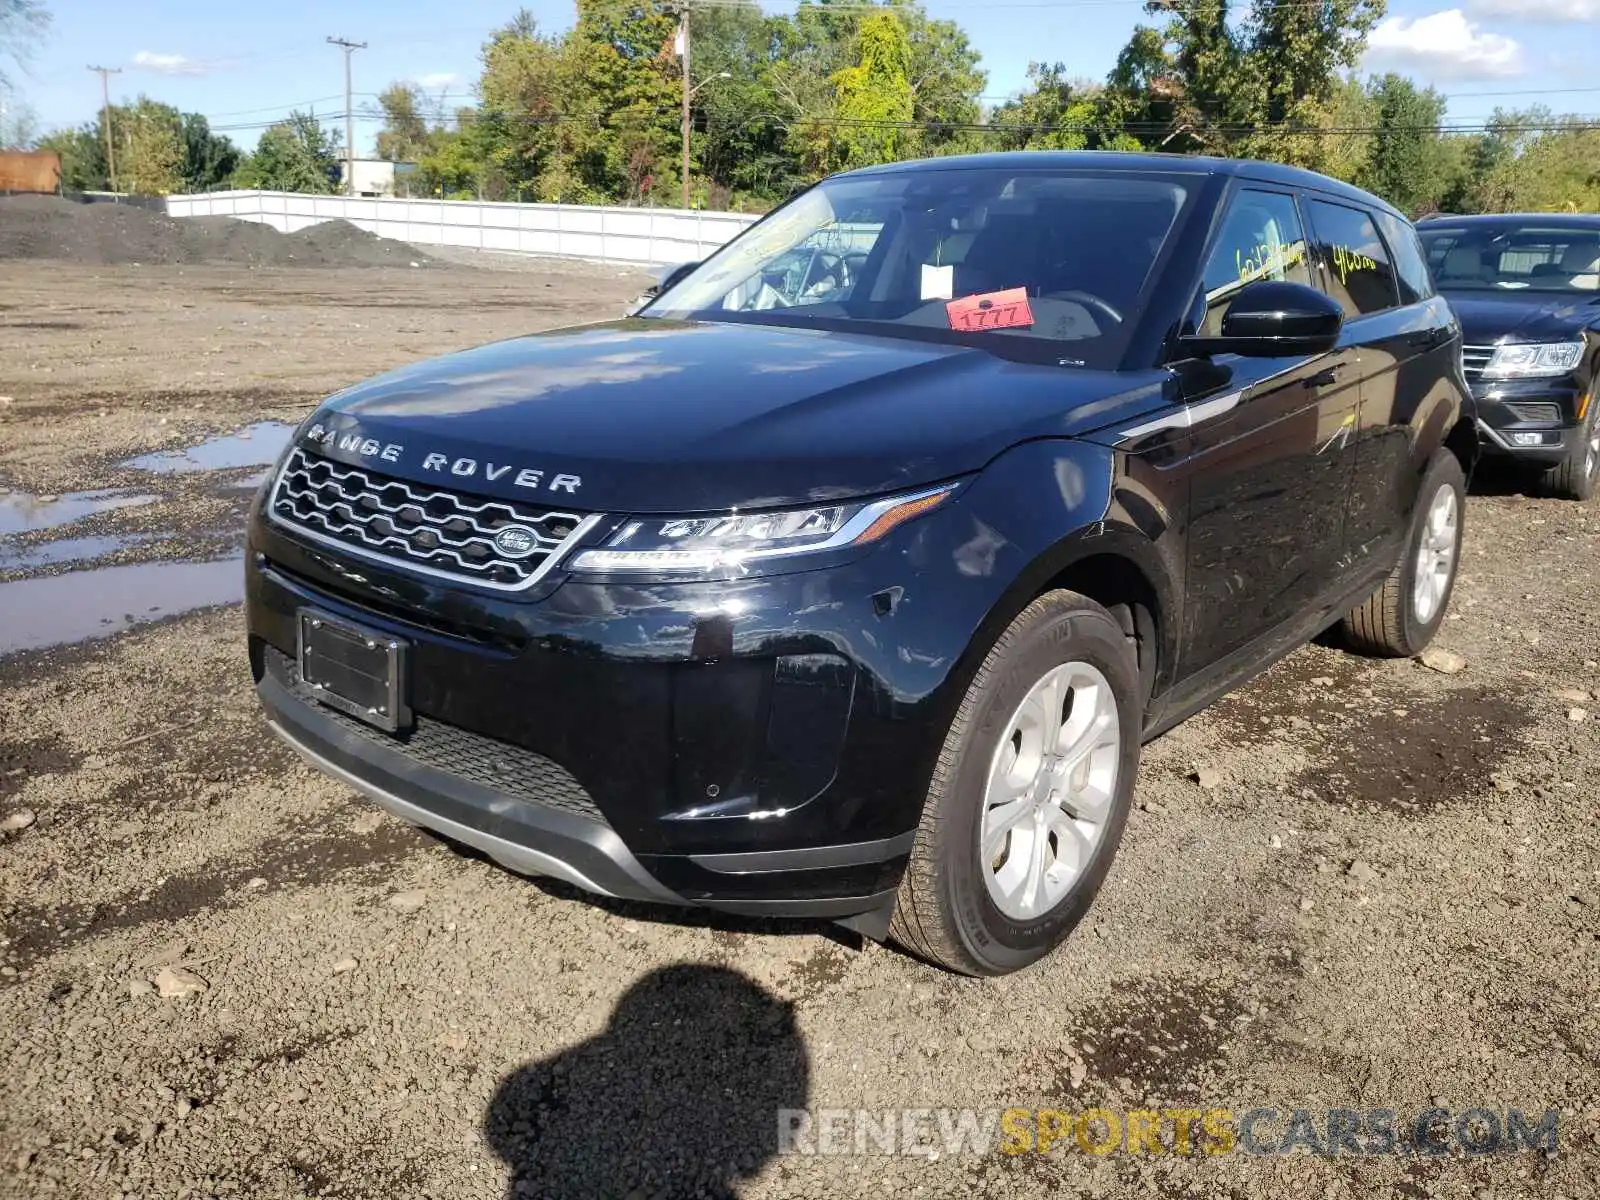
<point x="825" y="266"/>
<point x="1092" y="301"/>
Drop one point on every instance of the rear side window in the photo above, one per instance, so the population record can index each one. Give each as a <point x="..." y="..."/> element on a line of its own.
<point x="1261" y="238"/>
<point x="1354" y="260"/>
<point x="1410" y="268"/>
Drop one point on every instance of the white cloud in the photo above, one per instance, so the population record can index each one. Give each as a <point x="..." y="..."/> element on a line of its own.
<point x="169" y="64"/>
<point x="437" y="79"/>
<point x="1554" y="11"/>
<point x="1445" y="45"/>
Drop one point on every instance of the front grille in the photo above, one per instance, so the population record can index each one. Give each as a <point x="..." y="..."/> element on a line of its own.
<point x="420" y="528"/>
<point x="1474" y="359"/>
<point x="1541" y="414"/>
<point x="511" y="770"/>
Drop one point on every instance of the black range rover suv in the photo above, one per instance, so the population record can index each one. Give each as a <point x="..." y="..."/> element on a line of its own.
<point x="1526" y="288"/>
<point x="848" y="578"/>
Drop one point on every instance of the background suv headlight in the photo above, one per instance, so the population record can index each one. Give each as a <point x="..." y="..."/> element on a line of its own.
<point x="1533" y="360"/>
<point x="703" y="543"/>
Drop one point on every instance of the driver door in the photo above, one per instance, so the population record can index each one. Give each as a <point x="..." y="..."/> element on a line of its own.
<point x="1273" y="468"/>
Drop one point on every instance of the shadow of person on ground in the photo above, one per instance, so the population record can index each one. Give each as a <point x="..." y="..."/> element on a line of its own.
<point x="679" y="1096"/>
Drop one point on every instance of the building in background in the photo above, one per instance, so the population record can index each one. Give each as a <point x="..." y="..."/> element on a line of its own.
<point x="379" y="176"/>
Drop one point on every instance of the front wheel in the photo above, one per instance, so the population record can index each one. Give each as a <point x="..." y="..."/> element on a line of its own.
<point x="1401" y="617"/>
<point x="1030" y="793"/>
<point x="1575" y="477"/>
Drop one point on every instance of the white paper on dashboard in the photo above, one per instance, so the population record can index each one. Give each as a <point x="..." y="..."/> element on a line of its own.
<point x="938" y="283"/>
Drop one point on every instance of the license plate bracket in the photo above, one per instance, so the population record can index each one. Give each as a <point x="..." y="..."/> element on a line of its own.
<point x="356" y="670"/>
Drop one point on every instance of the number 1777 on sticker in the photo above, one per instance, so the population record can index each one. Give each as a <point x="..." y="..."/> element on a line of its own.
<point x="990" y="310"/>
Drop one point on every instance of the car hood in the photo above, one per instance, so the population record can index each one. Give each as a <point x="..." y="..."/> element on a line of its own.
<point x="1520" y="316"/>
<point x="648" y="416"/>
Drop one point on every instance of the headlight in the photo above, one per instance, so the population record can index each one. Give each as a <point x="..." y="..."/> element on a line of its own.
<point x="1533" y="361"/>
<point x="732" y="539"/>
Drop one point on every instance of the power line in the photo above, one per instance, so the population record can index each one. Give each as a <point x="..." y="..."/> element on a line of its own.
<point x="275" y="108"/>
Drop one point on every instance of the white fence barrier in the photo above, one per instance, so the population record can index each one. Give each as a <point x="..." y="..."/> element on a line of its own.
<point x="623" y="235"/>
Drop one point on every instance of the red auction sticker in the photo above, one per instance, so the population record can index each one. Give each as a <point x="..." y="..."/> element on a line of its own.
<point x="990" y="310"/>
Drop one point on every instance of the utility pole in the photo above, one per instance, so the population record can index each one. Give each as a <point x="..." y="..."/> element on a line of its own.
<point x="349" y="48"/>
<point x="105" y="118"/>
<point x="683" y="50"/>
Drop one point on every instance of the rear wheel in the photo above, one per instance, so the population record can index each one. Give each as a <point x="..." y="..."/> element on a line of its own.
<point x="1030" y="794"/>
<point x="1575" y="477"/>
<point x="1401" y="617"/>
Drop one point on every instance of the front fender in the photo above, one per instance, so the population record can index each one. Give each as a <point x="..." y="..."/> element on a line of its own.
<point x="1044" y="508"/>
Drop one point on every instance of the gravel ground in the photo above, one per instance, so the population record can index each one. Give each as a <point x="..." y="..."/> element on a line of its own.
<point x="1353" y="883"/>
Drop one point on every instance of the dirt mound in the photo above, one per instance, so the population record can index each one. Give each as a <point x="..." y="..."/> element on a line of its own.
<point x="111" y="234"/>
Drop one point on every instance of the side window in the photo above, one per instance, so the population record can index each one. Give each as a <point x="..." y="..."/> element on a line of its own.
<point x="1410" y="267"/>
<point x="1354" y="260"/>
<point x="1261" y="239"/>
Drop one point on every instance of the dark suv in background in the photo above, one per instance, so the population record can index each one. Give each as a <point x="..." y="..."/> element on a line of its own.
<point x="848" y="579"/>
<point x="1526" y="287"/>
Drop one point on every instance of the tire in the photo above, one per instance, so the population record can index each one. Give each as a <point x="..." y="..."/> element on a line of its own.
<point x="950" y="905"/>
<point x="1393" y="623"/>
<point x="1574" y="477"/>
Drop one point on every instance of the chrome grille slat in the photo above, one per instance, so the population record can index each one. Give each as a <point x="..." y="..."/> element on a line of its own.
<point x="418" y="528"/>
<point x="1474" y="359"/>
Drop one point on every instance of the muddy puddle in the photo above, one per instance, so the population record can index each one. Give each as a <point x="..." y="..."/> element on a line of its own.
<point x="255" y="445"/>
<point x="37" y="613"/>
<point x="66" y="550"/>
<point x="22" y="513"/>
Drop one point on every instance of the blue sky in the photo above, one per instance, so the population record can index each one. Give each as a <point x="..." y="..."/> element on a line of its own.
<point x="246" y="65"/>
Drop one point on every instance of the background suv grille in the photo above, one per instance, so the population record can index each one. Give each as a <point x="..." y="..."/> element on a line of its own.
<point x="410" y="525"/>
<point x="1475" y="358"/>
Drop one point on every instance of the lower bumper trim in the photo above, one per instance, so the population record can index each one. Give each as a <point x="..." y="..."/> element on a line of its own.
<point x="807" y="858"/>
<point x="522" y="859"/>
<point x="535" y="839"/>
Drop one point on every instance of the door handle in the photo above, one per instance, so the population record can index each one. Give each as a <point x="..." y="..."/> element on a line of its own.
<point x="1326" y="377"/>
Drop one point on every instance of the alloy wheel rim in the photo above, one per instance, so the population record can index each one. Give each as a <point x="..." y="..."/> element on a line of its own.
<point x="1592" y="459"/>
<point x="1436" y="555"/>
<point x="1051" y="784"/>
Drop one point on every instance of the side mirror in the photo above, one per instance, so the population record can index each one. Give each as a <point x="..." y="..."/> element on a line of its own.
<point x="1273" y="319"/>
<point x="665" y="278"/>
<point x="668" y="276"/>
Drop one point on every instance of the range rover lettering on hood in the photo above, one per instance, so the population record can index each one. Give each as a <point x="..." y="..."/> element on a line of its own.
<point x="532" y="478"/>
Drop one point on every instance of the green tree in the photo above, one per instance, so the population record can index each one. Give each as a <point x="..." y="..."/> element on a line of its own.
<point x="739" y="140"/>
<point x="295" y="155"/>
<point x="946" y="82"/>
<point x="405" y="136"/>
<point x="1406" y="160"/>
<point x="149" y="142"/>
<point x="874" y="95"/>
<point x="1344" y="132"/>
<point x="1058" y="113"/>
<point x="1256" y="87"/>
<point x="209" y="159"/>
<point x="83" y="158"/>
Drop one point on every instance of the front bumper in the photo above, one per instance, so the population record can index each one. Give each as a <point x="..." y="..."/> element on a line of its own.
<point x="1513" y="413"/>
<point x="759" y="747"/>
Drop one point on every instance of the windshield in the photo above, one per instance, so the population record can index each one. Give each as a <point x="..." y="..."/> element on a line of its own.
<point x="1051" y="263"/>
<point x="1505" y="257"/>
